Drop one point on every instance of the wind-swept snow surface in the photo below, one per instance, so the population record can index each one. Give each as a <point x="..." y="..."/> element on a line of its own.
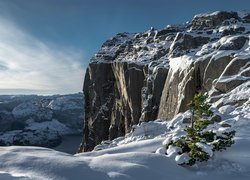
<point x="41" y="163"/>
<point x="141" y="154"/>
<point x="131" y="157"/>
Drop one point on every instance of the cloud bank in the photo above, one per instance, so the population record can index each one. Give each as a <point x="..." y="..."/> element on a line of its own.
<point x="28" y="63"/>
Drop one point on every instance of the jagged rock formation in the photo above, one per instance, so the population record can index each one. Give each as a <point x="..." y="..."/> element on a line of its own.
<point x="154" y="74"/>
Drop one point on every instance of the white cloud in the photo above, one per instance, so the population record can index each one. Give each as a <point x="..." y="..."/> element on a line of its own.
<point x="28" y="63"/>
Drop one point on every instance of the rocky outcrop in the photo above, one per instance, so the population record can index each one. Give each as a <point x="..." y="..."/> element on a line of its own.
<point x="212" y="20"/>
<point x="144" y="76"/>
<point x="99" y="99"/>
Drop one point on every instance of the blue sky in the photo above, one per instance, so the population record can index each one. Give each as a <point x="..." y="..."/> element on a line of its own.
<point x="45" y="45"/>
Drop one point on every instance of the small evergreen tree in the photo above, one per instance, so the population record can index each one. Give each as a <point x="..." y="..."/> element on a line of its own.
<point x="200" y="142"/>
<point x="199" y="108"/>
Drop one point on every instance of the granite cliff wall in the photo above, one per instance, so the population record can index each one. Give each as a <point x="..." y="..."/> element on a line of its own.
<point x="144" y="76"/>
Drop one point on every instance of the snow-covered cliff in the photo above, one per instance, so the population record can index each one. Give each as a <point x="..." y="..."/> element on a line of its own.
<point x="154" y="74"/>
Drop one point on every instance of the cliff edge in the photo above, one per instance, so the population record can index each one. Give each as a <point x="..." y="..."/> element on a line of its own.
<point x="152" y="75"/>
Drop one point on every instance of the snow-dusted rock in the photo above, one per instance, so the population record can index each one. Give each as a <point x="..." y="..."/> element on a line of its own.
<point x="39" y="120"/>
<point x="64" y="103"/>
<point x="154" y="74"/>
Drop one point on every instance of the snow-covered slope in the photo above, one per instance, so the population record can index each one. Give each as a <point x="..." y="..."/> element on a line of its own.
<point x="132" y="158"/>
<point x="138" y="155"/>
<point x="39" y="120"/>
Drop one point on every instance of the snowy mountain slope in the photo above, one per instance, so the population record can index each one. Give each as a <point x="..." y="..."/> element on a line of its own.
<point x="39" y="120"/>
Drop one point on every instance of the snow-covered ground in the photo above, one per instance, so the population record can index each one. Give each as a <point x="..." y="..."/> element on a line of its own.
<point x="138" y="155"/>
<point x="135" y="156"/>
<point x="131" y="161"/>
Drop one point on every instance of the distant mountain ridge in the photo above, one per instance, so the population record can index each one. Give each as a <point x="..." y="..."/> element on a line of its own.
<point x="154" y="74"/>
<point x="39" y="120"/>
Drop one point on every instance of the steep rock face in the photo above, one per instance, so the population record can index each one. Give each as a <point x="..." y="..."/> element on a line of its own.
<point x="154" y="74"/>
<point x="129" y="81"/>
<point x="99" y="97"/>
